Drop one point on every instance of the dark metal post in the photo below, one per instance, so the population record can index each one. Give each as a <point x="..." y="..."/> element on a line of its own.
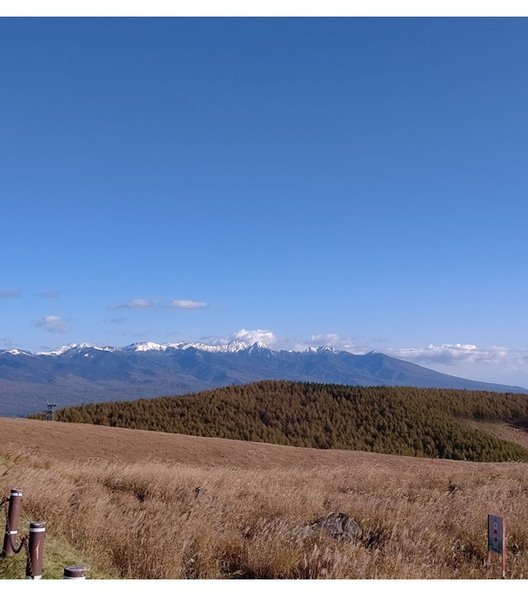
<point x="75" y="572"/>
<point x="37" y="534"/>
<point x="13" y="517"/>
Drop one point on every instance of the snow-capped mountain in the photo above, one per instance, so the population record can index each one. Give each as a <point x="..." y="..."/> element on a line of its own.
<point x="147" y="346"/>
<point x="234" y="346"/>
<point x="74" y="347"/>
<point x="80" y="373"/>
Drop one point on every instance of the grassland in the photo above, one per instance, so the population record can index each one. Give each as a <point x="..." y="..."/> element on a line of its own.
<point x="123" y="502"/>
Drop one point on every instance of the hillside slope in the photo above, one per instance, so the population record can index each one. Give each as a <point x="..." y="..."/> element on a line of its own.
<point x="397" y="420"/>
<point x="65" y="442"/>
<point x="124" y="501"/>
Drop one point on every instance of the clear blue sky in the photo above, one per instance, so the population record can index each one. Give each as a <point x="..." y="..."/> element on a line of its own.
<point x="360" y="177"/>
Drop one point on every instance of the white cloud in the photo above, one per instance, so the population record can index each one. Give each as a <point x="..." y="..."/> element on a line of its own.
<point x="188" y="304"/>
<point x="333" y="340"/>
<point x="53" y="324"/>
<point x="137" y="304"/>
<point x="10" y="294"/>
<point x="251" y="336"/>
<point x="496" y="364"/>
<point x="449" y="354"/>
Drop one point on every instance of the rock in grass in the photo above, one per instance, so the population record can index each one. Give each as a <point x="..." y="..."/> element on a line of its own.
<point x="337" y="525"/>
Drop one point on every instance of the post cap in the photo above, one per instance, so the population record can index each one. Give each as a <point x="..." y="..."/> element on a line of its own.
<point x="37" y="526"/>
<point x="75" y="571"/>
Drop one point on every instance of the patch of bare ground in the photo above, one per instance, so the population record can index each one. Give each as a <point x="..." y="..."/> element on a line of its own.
<point x="126" y="500"/>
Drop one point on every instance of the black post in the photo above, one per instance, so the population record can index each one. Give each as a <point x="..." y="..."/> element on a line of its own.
<point x="37" y="534"/>
<point x="13" y="517"/>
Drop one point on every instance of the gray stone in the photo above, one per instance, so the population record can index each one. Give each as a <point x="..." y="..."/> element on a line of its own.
<point x="199" y="491"/>
<point x="337" y="525"/>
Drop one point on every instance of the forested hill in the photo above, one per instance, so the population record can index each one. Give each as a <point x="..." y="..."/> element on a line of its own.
<point x="398" y="420"/>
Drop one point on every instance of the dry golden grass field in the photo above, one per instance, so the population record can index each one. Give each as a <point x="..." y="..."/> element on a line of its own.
<point x="122" y="501"/>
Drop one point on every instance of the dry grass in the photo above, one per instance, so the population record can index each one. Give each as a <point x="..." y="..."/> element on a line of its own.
<point x="125" y="500"/>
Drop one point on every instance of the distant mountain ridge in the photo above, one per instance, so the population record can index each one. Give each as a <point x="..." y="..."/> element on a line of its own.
<point x="83" y="373"/>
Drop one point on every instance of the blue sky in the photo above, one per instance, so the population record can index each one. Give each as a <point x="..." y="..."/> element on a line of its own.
<point x="359" y="182"/>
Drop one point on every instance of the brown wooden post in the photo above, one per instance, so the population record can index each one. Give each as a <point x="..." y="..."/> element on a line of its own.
<point x="75" y="572"/>
<point x="37" y="534"/>
<point x="13" y="518"/>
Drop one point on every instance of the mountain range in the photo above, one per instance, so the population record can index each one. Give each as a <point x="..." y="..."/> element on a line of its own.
<point x="83" y="373"/>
